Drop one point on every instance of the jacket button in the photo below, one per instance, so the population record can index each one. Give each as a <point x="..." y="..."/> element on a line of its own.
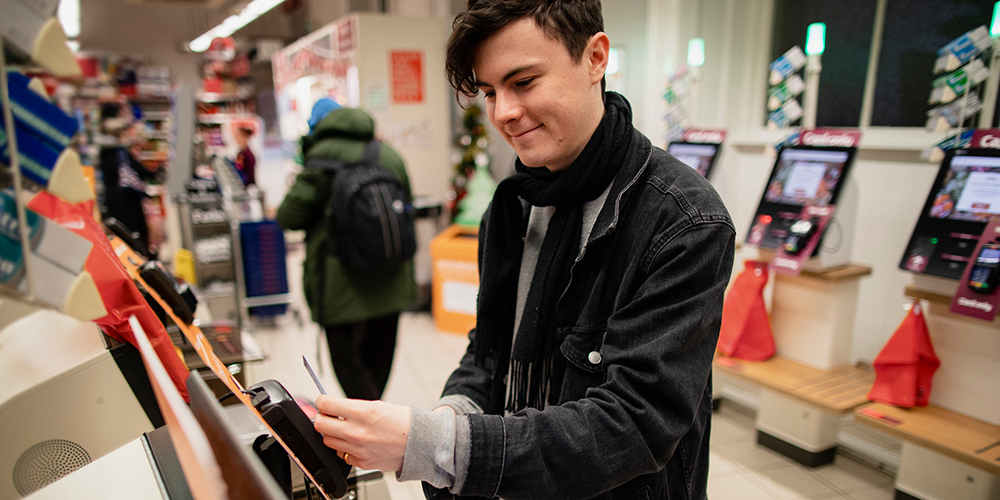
<point x="594" y="357"/>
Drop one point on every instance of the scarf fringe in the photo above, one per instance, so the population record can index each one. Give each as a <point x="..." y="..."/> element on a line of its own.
<point x="530" y="385"/>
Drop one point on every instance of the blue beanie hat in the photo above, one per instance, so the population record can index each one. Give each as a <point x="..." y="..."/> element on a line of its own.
<point x="322" y="108"/>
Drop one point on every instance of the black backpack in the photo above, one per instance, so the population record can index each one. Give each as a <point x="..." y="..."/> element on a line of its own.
<point x="369" y="219"/>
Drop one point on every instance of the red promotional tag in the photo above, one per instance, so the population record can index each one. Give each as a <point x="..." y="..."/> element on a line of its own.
<point x="847" y="138"/>
<point x="979" y="289"/>
<point x="986" y="138"/>
<point x="704" y="136"/>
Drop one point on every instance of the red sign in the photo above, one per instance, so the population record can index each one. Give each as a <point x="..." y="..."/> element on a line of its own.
<point x="986" y="139"/>
<point x="704" y="136"/>
<point x="407" y="70"/>
<point x="345" y="36"/>
<point x="221" y="49"/>
<point x="831" y="137"/>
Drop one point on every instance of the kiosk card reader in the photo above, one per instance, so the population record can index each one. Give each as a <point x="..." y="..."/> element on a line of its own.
<point x="965" y="195"/>
<point x="802" y="176"/>
<point x="983" y="277"/>
<point x="698" y="156"/>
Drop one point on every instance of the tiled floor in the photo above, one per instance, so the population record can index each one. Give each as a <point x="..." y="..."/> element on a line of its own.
<point x="740" y="469"/>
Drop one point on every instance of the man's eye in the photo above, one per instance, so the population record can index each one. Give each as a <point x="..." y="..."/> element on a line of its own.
<point x="524" y="83"/>
<point x="489" y="94"/>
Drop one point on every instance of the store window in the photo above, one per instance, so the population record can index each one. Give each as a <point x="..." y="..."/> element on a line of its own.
<point x="849" y="25"/>
<point x="913" y="32"/>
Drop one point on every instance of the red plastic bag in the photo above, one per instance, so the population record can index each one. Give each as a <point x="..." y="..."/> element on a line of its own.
<point x="905" y="366"/>
<point x="119" y="293"/>
<point x="746" y="329"/>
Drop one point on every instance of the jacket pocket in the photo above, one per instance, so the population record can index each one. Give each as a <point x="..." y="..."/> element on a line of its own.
<point x="584" y="363"/>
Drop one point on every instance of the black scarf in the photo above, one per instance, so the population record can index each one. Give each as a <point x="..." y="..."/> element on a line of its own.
<point x="534" y="348"/>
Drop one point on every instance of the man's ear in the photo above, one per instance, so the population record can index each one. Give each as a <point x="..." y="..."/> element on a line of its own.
<point x="596" y="55"/>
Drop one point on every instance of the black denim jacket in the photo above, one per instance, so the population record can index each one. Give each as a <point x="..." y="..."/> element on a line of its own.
<point x="638" y="326"/>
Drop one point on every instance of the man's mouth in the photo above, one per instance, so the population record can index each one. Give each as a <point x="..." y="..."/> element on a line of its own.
<point x="522" y="133"/>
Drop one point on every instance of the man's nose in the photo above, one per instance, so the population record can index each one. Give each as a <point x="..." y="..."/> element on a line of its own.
<point x="507" y="108"/>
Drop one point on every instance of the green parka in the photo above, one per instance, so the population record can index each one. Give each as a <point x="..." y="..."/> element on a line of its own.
<point x="347" y="296"/>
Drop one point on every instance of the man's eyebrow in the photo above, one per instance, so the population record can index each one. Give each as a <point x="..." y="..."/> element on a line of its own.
<point x="510" y="74"/>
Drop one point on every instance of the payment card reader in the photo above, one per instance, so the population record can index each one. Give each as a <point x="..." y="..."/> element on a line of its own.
<point x="985" y="269"/>
<point x="799" y="234"/>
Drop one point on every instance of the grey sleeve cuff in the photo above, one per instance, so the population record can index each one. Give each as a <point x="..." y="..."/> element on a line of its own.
<point x="461" y="404"/>
<point x="437" y="449"/>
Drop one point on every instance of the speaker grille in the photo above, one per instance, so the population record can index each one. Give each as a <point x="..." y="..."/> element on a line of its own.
<point x="47" y="462"/>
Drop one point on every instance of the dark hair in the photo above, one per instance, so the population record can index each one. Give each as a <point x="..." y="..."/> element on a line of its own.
<point x="572" y="22"/>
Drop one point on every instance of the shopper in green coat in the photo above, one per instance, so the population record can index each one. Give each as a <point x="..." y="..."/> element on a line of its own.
<point x="359" y="310"/>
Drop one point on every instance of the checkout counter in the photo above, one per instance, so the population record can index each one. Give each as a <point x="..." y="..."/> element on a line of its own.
<point x="83" y="423"/>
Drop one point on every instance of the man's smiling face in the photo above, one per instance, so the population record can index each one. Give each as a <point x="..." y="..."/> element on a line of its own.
<point x="545" y="104"/>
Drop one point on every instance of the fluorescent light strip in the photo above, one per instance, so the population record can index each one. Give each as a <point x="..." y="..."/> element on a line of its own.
<point x="69" y="17"/>
<point x="227" y="27"/>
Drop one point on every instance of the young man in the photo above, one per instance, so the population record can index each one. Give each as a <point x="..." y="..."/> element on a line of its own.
<point x="603" y="264"/>
<point x="358" y="309"/>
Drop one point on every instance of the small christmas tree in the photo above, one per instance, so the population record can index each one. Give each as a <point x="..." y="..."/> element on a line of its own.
<point x="473" y="185"/>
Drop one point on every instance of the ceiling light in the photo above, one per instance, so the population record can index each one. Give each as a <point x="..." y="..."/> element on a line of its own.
<point x="69" y="17"/>
<point x="696" y="52"/>
<point x="227" y="27"/>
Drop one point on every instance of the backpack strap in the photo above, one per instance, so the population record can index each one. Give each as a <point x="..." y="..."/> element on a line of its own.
<point x="371" y="152"/>
<point x="370" y="156"/>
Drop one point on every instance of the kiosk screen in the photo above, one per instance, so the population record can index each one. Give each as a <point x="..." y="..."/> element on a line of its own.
<point x="806" y="177"/>
<point x="971" y="190"/>
<point x="700" y="157"/>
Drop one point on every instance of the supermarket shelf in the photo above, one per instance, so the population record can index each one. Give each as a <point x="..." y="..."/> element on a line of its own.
<point x="154" y="116"/>
<point x="210" y="225"/>
<point x="153" y="156"/>
<point x="222" y="97"/>
<point x="269" y="300"/>
<point x="149" y="99"/>
<point x="219" y="118"/>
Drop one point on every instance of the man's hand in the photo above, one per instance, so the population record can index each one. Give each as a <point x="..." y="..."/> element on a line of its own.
<point x="373" y="433"/>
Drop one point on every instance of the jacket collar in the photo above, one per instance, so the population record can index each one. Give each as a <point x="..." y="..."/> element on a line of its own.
<point x="622" y="188"/>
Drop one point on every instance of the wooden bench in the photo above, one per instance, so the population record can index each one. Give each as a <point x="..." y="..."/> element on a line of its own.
<point x="958" y="436"/>
<point x="837" y="391"/>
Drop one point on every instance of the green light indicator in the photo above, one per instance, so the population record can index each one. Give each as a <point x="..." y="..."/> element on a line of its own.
<point x="995" y="26"/>
<point x="816" y="39"/>
<point x="696" y="52"/>
<point x="934" y="241"/>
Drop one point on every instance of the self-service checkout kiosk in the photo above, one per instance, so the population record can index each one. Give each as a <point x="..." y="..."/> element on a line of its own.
<point x="701" y="157"/>
<point x="952" y="257"/>
<point x="806" y="177"/>
<point x="965" y="195"/>
<point x="698" y="149"/>
<point x="806" y="216"/>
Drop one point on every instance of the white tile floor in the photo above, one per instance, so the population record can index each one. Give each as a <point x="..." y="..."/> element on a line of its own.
<point x="740" y="468"/>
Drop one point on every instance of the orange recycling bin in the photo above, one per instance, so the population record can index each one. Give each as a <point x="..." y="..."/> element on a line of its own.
<point x="455" y="278"/>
